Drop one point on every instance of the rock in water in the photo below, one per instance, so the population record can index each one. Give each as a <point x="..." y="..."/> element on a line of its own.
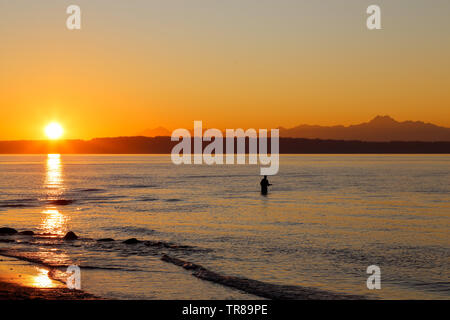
<point x="7" y="231"/>
<point x="27" y="233"/>
<point x="70" y="236"/>
<point x="60" y="202"/>
<point x="131" y="241"/>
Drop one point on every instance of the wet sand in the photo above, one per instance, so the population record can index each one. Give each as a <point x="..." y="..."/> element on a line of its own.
<point x="21" y="280"/>
<point x="12" y="291"/>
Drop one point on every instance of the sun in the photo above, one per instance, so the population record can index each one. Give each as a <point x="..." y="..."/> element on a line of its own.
<point x="54" y="131"/>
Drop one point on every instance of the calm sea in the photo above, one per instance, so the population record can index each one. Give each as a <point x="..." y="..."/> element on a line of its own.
<point x="326" y="219"/>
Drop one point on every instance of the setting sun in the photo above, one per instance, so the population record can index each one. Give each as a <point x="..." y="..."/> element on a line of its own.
<point x="54" y="131"/>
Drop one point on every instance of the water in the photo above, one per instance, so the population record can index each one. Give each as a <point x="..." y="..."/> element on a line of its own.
<point x="326" y="219"/>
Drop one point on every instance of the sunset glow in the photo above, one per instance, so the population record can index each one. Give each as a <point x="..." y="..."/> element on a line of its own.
<point x="311" y="68"/>
<point x="54" y="131"/>
<point x="241" y="151"/>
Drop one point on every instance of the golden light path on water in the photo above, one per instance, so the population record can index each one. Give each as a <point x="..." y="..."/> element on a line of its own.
<point x="54" y="182"/>
<point x="53" y="221"/>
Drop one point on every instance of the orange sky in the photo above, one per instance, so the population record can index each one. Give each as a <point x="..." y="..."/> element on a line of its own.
<point x="259" y="64"/>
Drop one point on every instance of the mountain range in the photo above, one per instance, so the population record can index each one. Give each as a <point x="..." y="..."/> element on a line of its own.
<point x="380" y="128"/>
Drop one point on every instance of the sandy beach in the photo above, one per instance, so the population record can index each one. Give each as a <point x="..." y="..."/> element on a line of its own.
<point x="20" y="280"/>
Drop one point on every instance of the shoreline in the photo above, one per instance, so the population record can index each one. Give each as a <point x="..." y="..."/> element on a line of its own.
<point x="12" y="291"/>
<point x="22" y="280"/>
<point x="164" y="145"/>
<point x="25" y="277"/>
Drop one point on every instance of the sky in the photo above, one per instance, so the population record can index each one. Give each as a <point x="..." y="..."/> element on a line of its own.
<point x="141" y="64"/>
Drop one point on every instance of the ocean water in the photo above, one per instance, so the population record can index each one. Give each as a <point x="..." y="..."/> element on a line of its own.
<point x="326" y="219"/>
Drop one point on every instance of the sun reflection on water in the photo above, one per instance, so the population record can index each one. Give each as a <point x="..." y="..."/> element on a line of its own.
<point x="42" y="280"/>
<point x="53" y="221"/>
<point x="54" y="179"/>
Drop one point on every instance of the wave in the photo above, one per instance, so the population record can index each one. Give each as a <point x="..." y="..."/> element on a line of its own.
<point x="15" y="205"/>
<point x="251" y="286"/>
<point x="146" y="246"/>
<point x="31" y="257"/>
<point x="226" y="176"/>
<point x="259" y="288"/>
<point x="91" y="190"/>
<point x="134" y="186"/>
<point x="7" y="240"/>
<point x="131" y="230"/>
<point x="33" y="250"/>
<point x="34" y="258"/>
<point x="147" y="199"/>
<point x="164" y="250"/>
<point x="18" y="203"/>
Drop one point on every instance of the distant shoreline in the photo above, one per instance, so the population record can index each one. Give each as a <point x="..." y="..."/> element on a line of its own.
<point x="164" y="145"/>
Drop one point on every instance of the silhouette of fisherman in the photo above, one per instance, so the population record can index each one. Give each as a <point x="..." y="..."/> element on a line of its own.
<point x="264" y="184"/>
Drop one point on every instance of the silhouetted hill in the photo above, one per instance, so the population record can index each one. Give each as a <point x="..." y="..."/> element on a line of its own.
<point x="163" y="145"/>
<point x="381" y="128"/>
<point x="156" y="132"/>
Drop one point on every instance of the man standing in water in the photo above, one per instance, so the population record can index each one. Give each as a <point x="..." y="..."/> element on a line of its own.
<point x="264" y="184"/>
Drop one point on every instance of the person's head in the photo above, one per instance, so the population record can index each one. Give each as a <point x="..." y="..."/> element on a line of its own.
<point x="265" y="177"/>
